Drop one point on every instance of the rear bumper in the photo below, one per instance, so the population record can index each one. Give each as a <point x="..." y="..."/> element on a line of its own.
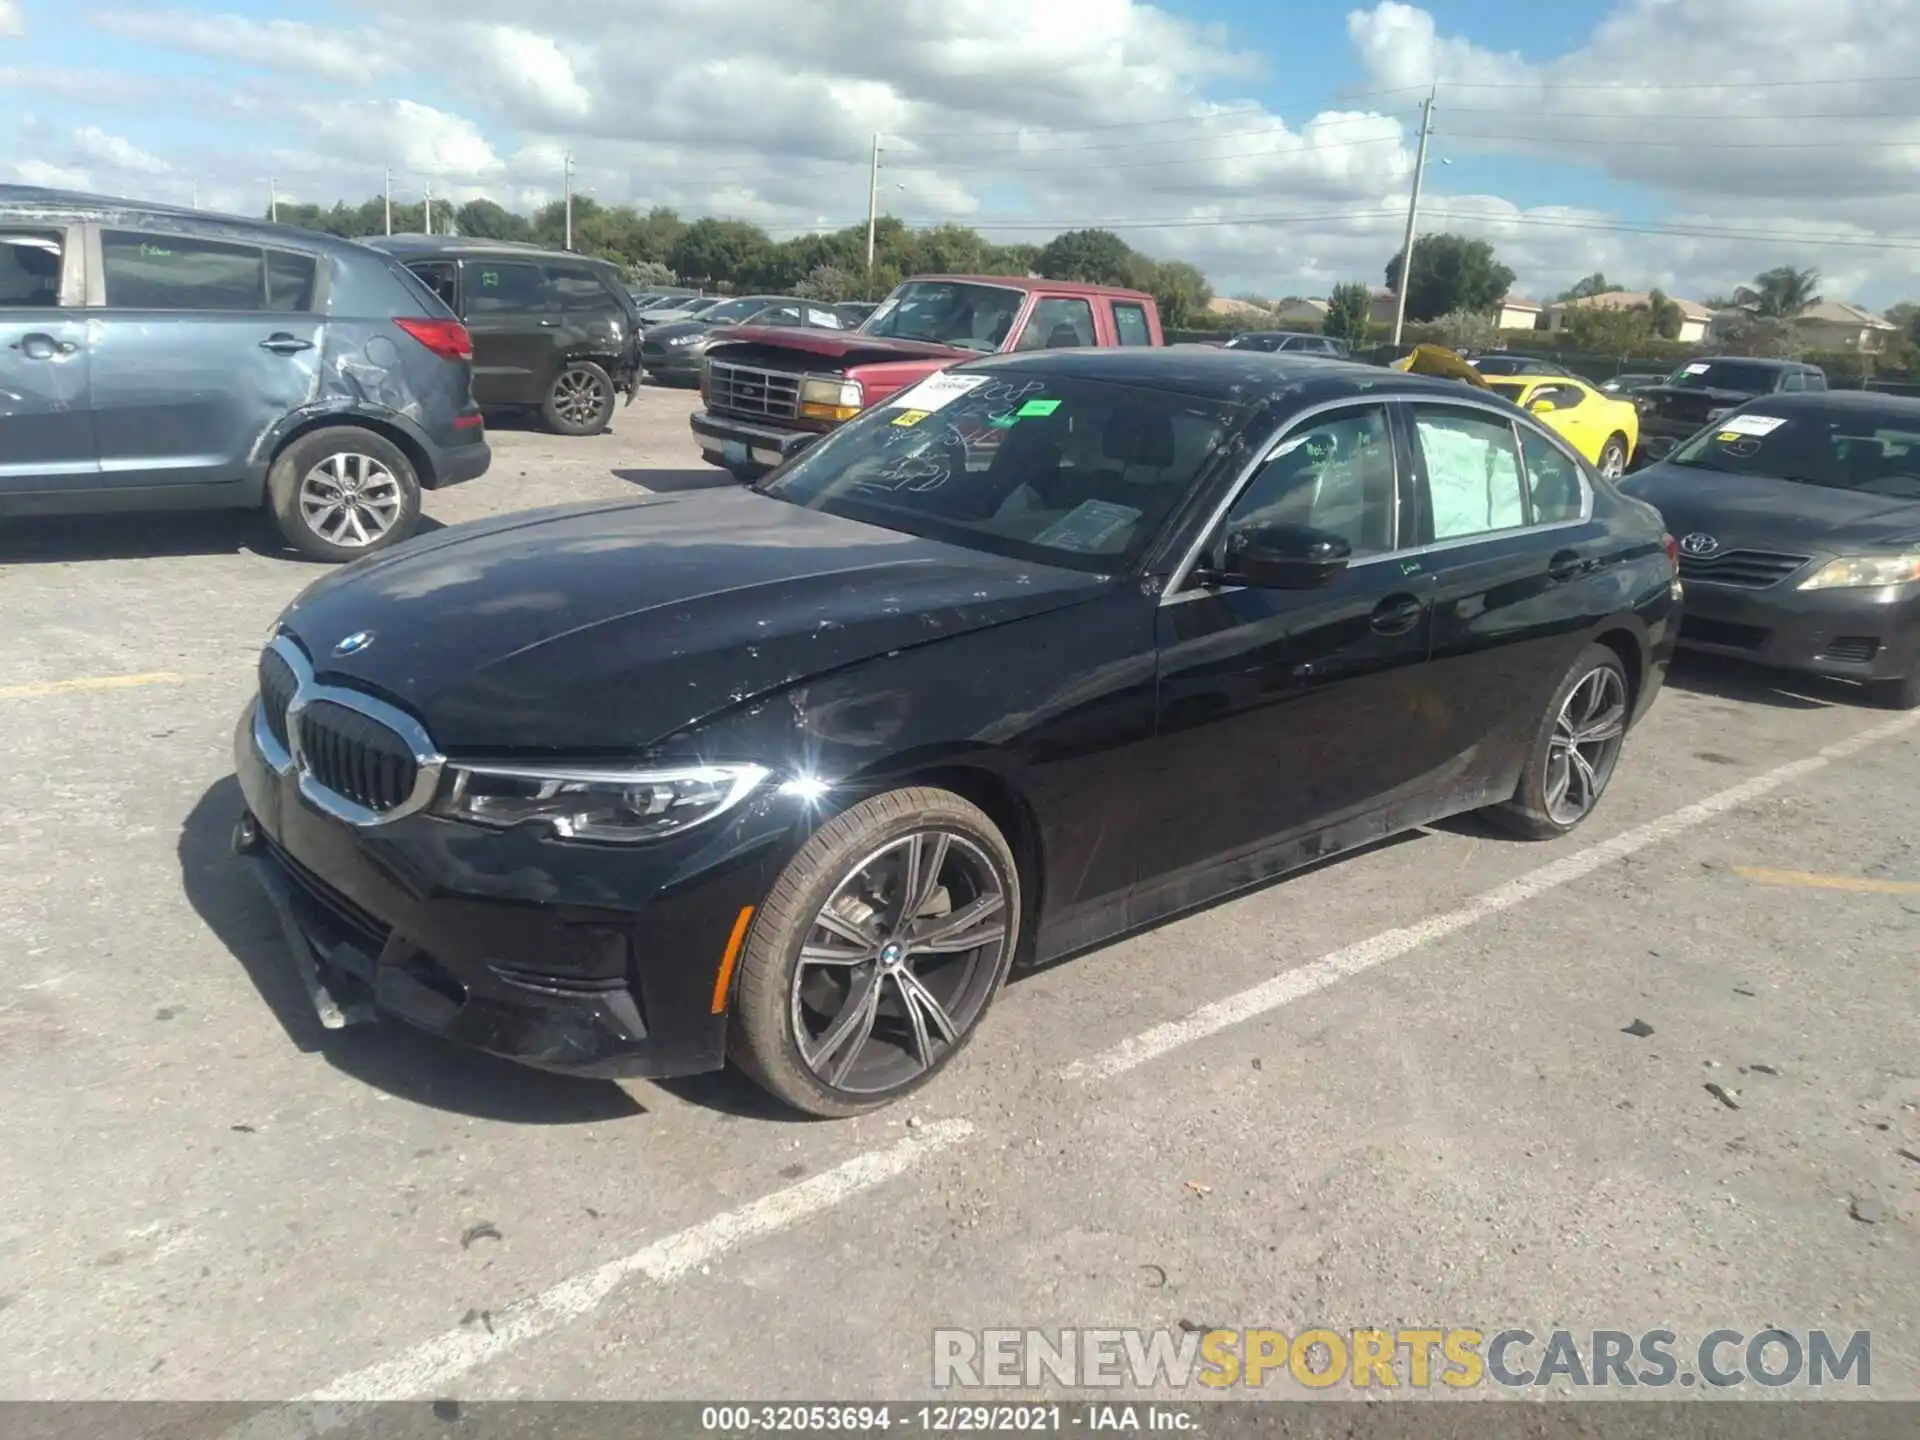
<point x="739" y="444"/>
<point x="1866" y="634"/>
<point x="455" y="464"/>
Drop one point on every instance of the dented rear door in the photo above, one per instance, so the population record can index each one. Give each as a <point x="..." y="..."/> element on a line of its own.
<point x="199" y="347"/>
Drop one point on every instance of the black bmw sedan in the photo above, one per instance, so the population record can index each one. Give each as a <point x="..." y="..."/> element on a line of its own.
<point x="1048" y="648"/>
<point x="1799" y="525"/>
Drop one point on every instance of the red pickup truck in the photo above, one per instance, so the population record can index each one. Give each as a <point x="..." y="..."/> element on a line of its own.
<point x="769" y="392"/>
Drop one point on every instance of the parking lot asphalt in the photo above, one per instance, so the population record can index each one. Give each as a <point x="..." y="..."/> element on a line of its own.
<point x="1395" y="1090"/>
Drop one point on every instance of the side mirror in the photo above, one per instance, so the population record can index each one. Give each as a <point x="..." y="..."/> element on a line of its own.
<point x="1279" y="556"/>
<point x="1542" y="406"/>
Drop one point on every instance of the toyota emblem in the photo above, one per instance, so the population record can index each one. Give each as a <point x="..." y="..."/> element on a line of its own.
<point x="1699" y="546"/>
<point x="354" y="643"/>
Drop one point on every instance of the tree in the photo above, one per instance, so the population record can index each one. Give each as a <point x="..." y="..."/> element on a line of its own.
<point x="825" y="282"/>
<point x="1664" y="315"/>
<point x="1009" y="259"/>
<point x="1350" y="313"/>
<point x="1098" y="257"/>
<point x="949" y="250"/>
<point x="488" y="220"/>
<point x="651" y="272"/>
<point x="1594" y="284"/>
<point x="1467" y="330"/>
<point x="1450" y="272"/>
<point x="719" y="250"/>
<point x="1780" y="293"/>
<point x="1180" y="292"/>
<point x="1608" y="329"/>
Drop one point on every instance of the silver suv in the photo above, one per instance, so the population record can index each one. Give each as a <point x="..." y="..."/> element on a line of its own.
<point x="153" y="358"/>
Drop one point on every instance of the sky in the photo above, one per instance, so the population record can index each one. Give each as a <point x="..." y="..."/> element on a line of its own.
<point x="1685" y="144"/>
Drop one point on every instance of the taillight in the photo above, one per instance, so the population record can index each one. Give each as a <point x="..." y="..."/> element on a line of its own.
<point x="1672" y="547"/>
<point x="446" y="338"/>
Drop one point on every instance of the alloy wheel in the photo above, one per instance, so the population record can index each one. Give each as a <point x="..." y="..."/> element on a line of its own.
<point x="351" y="500"/>
<point x="1587" y="736"/>
<point x="578" y="397"/>
<point x="1613" y="462"/>
<point x="900" y="962"/>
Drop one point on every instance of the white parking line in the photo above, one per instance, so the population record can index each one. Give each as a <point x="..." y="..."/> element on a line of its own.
<point x="1343" y="964"/>
<point x="422" y="1371"/>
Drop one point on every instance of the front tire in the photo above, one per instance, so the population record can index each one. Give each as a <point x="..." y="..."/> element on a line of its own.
<point x="1613" y="457"/>
<point x="1901" y="694"/>
<point x="343" y="492"/>
<point x="1573" y="753"/>
<point x="877" y="953"/>
<point x="580" y="400"/>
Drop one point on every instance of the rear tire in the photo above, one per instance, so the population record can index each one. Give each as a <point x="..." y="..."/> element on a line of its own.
<point x="858" y="984"/>
<point x="1613" y="457"/>
<point x="580" y="400"/>
<point x="1574" y="751"/>
<point x="343" y="492"/>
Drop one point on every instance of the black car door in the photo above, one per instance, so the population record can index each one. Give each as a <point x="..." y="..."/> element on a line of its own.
<point x="1519" y="573"/>
<point x="513" y="315"/>
<point x="593" y="322"/>
<point x="1282" y="713"/>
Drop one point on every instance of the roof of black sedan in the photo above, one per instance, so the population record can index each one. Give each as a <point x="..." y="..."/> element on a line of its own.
<point x="1845" y="401"/>
<point x="1238" y="376"/>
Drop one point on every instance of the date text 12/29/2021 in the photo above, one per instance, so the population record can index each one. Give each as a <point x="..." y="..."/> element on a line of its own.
<point x="962" y="1419"/>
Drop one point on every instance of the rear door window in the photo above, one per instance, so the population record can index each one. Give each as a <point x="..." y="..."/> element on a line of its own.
<point x="30" y="263"/>
<point x="578" y="288"/>
<point x="1058" y="322"/>
<point x="1130" y="323"/>
<point x="502" y="287"/>
<point x="439" y="277"/>
<point x="1472" y="465"/>
<point x="177" y="272"/>
<point x="822" y="318"/>
<point x="291" y="281"/>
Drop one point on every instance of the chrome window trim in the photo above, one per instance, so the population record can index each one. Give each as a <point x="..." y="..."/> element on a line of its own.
<point x="1172" y="593"/>
<point x="290" y="760"/>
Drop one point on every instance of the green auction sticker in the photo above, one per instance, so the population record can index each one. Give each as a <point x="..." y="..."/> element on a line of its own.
<point x="1003" y="422"/>
<point x="1039" y="407"/>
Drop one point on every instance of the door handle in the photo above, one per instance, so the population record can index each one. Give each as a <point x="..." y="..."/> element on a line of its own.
<point x="38" y="346"/>
<point x="1397" y="614"/>
<point x="1565" y="565"/>
<point x="285" y="344"/>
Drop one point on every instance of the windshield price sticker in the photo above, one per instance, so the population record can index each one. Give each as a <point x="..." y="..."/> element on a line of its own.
<point x="1699" y="367"/>
<point x="936" y="391"/>
<point x="1752" y="424"/>
<point x="912" y="417"/>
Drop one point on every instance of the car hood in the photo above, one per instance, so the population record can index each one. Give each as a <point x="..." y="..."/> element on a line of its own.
<point x="672" y="328"/>
<point x="610" y="627"/>
<point x="849" y="345"/>
<point x="1754" y="512"/>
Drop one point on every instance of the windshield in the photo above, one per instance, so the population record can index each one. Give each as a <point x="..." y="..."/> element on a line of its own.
<point x="973" y="317"/>
<point x="1876" y="453"/>
<point x="1725" y="375"/>
<point x="700" y="303"/>
<point x="1067" y="472"/>
<point x="734" y="311"/>
<point x="1512" y="389"/>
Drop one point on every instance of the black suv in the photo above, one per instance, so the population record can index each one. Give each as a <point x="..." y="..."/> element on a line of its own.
<point x="551" y="330"/>
<point x="1703" y="390"/>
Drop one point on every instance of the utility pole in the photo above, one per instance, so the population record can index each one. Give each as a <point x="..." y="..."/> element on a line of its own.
<point x="273" y="200"/>
<point x="196" y="194"/>
<point x="873" y="198"/>
<point x="389" y="199"/>
<point x="429" y="207"/>
<point x="1413" y="211"/>
<point x="566" y="175"/>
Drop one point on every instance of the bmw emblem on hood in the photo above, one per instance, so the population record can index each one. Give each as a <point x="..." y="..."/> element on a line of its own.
<point x="354" y="643"/>
<point x="1697" y="545"/>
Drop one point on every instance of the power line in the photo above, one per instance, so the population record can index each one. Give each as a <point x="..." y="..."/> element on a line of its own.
<point x="1275" y="126"/>
<point x="1191" y="160"/>
<point x="1533" y="139"/>
<point x="1663" y="117"/>
<point x="1187" y="119"/>
<point x="1629" y="86"/>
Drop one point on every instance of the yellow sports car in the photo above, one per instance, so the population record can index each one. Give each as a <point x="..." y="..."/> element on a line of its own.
<point x="1603" y="429"/>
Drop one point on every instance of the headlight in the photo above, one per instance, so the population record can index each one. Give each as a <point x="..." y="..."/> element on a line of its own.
<point x="1860" y="571"/>
<point x="831" y="399"/>
<point x="588" y="803"/>
<point x="686" y="339"/>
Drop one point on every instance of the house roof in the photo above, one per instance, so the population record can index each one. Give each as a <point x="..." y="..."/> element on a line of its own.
<point x="1631" y="300"/>
<point x="1319" y="307"/>
<point x="1516" y="302"/>
<point x="1839" y="312"/>
<point x="1222" y="305"/>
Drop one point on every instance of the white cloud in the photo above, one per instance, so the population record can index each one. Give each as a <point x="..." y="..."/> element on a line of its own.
<point x="12" y="21"/>
<point x="55" y="177"/>
<point x="1024" y="118"/>
<point x="332" y="52"/>
<point x="93" y="143"/>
